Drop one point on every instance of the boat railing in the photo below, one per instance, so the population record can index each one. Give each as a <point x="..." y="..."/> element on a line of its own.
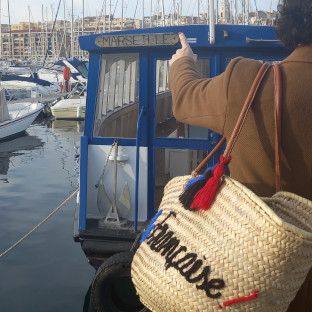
<point x="13" y="92"/>
<point x="23" y="110"/>
<point x="79" y="88"/>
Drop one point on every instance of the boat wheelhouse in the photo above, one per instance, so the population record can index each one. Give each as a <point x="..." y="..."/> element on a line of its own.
<point x="132" y="145"/>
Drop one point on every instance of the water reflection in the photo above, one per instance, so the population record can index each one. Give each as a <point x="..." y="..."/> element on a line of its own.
<point x="88" y="305"/>
<point x="16" y="147"/>
<point x="68" y="128"/>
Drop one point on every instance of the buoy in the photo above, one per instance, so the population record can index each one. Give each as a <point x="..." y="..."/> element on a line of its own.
<point x="66" y="73"/>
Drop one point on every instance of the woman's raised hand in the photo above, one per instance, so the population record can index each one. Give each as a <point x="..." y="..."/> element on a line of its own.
<point x="184" y="51"/>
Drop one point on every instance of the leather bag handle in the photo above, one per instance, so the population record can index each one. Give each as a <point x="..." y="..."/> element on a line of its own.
<point x="277" y="119"/>
<point x="239" y="124"/>
<point x="242" y="117"/>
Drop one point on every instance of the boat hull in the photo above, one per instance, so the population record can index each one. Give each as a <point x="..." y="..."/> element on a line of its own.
<point x="73" y="108"/>
<point x="69" y="113"/>
<point x="23" y="116"/>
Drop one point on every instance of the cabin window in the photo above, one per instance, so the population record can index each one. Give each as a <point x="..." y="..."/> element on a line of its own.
<point x="118" y="96"/>
<point x="166" y="124"/>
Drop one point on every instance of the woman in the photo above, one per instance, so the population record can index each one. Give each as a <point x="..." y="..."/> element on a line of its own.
<point x="217" y="102"/>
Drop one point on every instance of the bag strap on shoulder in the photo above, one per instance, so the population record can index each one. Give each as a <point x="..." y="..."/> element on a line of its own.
<point x="278" y="127"/>
<point x="242" y="117"/>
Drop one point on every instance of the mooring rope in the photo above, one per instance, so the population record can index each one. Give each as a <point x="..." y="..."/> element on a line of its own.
<point x="43" y="221"/>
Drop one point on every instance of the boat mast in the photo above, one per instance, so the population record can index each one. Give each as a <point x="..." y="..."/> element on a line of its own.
<point x="172" y="10"/>
<point x="163" y="12"/>
<point x="10" y="44"/>
<point x="82" y="32"/>
<point x="198" y="14"/>
<point x="151" y="13"/>
<point x="211" y="22"/>
<point x="207" y="12"/>
<point x="142" y="13"/>
<point x="65" y="33"/>
<point x="0" y="31"/>
<point x="29" y="38"/>
<point x="72" y="30"/>
<point x="104" y="19"/>
<point x="247" y="10"/>
<point x="110" y="12"/>
<point x="122" y="7"/>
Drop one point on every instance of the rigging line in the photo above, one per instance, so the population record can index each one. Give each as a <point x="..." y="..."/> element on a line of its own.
<point x="257" y="12"/>
<point x="49" y="39"/>
<point x="115" y="8"/>
<point x="37" y="226"/>
<point x="188" y="9"/>
<point x="135" y="10"/>
<point x="99" y="17"/>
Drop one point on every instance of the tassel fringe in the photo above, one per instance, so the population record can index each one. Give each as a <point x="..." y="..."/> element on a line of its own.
<point x="192" y="187"/>
<point x="205" y="196"/>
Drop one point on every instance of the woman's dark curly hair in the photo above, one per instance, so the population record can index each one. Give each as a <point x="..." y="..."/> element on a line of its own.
<point x="293" y="25"/>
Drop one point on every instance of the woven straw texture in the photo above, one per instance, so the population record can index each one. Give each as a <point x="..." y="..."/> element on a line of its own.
<point x="252" y="244"/>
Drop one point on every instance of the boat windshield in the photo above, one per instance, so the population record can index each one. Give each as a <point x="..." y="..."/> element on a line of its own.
<point x="83" y="68"/>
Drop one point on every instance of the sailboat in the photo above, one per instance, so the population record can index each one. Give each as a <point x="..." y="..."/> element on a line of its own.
<point x="16" y="118"/>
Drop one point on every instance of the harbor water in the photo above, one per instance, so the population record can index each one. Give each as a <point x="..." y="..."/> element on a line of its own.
<point x="47" y="272"/>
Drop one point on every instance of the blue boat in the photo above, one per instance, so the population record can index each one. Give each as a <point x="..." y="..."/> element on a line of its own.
<point x="132" y="145"/>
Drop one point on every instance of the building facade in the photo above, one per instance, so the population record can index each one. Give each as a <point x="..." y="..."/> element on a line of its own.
<point x="52" y="41"/>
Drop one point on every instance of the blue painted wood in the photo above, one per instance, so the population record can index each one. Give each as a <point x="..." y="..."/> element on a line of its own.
<point x="92" y="90"/>
<point x="83" y="182"/>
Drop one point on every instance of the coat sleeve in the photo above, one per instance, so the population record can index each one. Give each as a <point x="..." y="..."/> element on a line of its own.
<point x="199" y="101"/>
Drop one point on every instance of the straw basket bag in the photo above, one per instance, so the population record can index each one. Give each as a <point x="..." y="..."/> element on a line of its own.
<point x="244" y="253"/>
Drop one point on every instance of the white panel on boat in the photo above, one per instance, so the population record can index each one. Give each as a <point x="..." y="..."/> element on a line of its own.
<point x="106" y="86"/>
<point x="120" y="83"/>
<point x="127" y="78"/>
<point x="133" y="81"/>
<point x="112" y="87"/>
<point x="101" y="107"/>
<point x="158" y="64"/>
<point x="126" y="169"/>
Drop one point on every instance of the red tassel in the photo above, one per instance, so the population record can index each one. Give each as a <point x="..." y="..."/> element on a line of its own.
<point x="204" y="197"/>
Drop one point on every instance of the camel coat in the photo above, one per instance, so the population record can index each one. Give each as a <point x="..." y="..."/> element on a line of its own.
<point x="215" y="103"/>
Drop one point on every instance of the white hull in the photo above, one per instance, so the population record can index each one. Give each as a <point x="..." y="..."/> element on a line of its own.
<point x="22" y="116"/>
<point x="73" y="108"/>
<point x="38" y="89"/>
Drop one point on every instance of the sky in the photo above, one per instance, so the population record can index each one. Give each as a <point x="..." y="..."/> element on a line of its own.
<point x="38" y="10"/>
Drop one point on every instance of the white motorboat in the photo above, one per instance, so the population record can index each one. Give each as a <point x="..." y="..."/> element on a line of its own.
<point x="19" y="87"/>
<point x="71" y="108"/>
<point x="16" y="118"/>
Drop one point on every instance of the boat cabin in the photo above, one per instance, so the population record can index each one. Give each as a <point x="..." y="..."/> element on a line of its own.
<point x="132" y="145"/>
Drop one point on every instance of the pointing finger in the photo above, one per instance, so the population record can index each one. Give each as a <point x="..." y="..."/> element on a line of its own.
<point x="183" y="40"/>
